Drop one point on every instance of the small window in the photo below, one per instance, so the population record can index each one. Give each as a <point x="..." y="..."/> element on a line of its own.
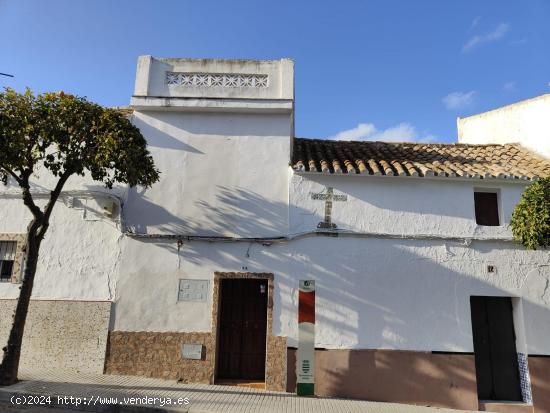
<point x="6" y="268"/>
<point x="486" y="206"/>
<point x="7" y="257"/>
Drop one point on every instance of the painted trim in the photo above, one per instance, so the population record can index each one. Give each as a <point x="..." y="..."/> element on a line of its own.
<point x="275" y="355"/>
<point x="188" y="104"/>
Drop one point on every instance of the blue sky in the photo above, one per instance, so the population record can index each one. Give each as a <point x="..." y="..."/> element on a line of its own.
<point x="385" y="69"/>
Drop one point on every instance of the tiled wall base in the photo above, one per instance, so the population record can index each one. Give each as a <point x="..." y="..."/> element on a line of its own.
<point x="61" y="335"/>
<point x="155" y="354"/>
<point x="445" y="380"/>
<point x="275" y="378"/>
<point x="525" y="378"/>
<point x="158" y="355"/>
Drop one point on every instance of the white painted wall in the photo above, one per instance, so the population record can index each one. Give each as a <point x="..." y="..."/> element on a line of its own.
<point x="79" y="255"/>
<point x="401" y="205"/>
<point x="371" y="293"/>
<point x="221" y="174"/>
<point x="526" y="122"/>
<point x="225" y="173"/>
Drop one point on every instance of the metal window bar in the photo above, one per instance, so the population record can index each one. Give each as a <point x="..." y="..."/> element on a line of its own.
<point x="7" y="257"/>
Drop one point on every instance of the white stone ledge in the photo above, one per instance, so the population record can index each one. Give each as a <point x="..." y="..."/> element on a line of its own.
<point x="216" y="105"/>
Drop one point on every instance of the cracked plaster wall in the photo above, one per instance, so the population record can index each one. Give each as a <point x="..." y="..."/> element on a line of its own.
<point x="78" y="257"/>
<point x="371" y="293"/>
<point x="69" y="314"/>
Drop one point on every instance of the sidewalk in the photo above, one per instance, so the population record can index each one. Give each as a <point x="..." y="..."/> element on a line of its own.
<point x="94" y="389"/>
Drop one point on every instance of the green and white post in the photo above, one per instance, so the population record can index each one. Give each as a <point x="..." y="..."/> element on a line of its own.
<point x="305" y="362"/>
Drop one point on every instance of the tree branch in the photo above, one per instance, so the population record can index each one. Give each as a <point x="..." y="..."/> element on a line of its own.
<point x="27" y="196"/>
<point x="54" y="196"/>
<point x="13" y="174"/>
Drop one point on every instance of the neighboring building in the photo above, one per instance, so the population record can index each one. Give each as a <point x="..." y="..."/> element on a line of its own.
<point x="417" y="275"/>
<point x="526" y="122"/>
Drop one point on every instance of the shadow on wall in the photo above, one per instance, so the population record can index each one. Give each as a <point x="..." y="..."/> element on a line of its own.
<point x="172" y="129"/>
<point x="234" y="211"/>
<point x="441" y="380"/>
<point x="362" y="275"/>
<point x="397" y="195"/>
<point x="164" y="133"/>
<point x="387" y="294"/>
<point x="371" y="293"/>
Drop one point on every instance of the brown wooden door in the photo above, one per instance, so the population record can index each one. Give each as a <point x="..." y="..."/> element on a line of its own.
<point x="496" y="358"/>
<point x="243" y="322"/>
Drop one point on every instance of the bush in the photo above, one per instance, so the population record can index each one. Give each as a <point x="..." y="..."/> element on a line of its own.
<point x="531" y="217"/>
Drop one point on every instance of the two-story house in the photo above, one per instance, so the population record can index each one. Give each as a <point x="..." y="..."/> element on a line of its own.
<point x="422" y="296"/>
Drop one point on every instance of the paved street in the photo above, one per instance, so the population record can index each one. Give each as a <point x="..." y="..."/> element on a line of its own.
<point x="9" y="408"/>
<point x="105" y="393"/>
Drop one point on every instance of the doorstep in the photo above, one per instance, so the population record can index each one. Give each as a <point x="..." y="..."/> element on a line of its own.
<point x="259" y="385"/>
<point x="505" y="407"/>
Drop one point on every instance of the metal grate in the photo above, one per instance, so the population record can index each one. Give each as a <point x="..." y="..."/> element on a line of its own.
<point x="7" y="257"/>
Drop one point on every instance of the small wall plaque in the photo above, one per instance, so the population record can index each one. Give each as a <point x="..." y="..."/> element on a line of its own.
<point x="191" y="351"/>
<point x="193" y="290"/>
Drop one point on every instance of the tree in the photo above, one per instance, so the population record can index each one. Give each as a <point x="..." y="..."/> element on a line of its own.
<point x="64" y="135"/>
<point x="531" y="217"/>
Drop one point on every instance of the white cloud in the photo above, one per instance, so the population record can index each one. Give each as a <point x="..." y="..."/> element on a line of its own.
<point x="459" y="100"/>
<point x="360" y="132"/>
<point x="401" y="132"/>
<point x="474" y="24"/>
<point x="510" y="87"/>
<point x="368" y="132"/>
<point x="490" y="37"/>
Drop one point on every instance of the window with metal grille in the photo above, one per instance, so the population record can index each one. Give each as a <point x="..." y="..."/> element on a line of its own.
<point x="7" y="257"/>
<point x="486" y="206"/>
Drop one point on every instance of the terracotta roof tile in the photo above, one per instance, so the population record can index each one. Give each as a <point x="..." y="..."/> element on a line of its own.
<point x="510" y="161"/>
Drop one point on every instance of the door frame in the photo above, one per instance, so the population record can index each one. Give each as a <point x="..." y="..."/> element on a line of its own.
<point x="275" y="354"/>
<point x="520" y="346"/>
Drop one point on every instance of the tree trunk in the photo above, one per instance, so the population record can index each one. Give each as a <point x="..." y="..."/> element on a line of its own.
<point x="10" y="362"/>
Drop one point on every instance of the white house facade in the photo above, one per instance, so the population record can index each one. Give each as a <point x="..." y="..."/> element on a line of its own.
<point x="417" y="275"/>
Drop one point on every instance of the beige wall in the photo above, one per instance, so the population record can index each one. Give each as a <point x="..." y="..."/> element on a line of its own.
<point x="445" y="380"/>
<point x="539" y="369"/>
<point x="61" y="335"/>
<point x="423" y="378"/>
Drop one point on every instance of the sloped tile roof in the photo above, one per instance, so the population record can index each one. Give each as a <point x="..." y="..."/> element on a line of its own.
<point x="418" y="159"/>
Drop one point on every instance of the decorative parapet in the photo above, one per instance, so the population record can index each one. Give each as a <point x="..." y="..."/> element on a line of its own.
<point x="217" y="79"/>
<point x="214" y="85"/>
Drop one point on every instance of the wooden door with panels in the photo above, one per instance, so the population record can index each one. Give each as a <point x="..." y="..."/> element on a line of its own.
<point x="242" y="329"/>
<point x="496" y="359"/>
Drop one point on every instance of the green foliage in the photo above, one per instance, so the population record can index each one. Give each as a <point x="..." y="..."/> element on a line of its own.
<point x="531" y="217"/>
<point x="69" y="135"/>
